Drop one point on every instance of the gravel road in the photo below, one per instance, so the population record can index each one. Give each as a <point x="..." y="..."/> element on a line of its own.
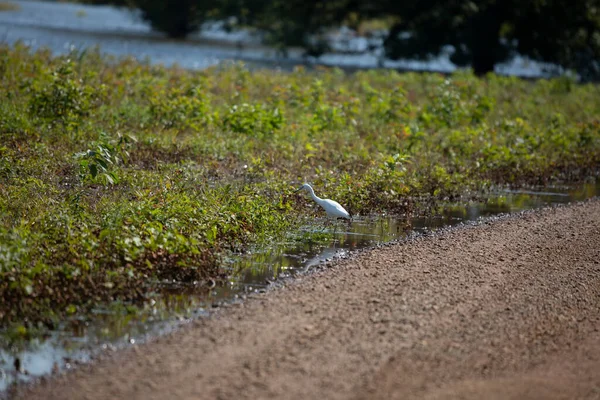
<point x="508" y="309"/>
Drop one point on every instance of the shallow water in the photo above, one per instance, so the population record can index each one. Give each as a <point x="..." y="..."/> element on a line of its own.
<point x="77" y="339"/>
<point x="64" y="27"/>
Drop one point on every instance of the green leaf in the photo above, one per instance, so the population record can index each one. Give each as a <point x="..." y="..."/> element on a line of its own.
<point x="93" y="170"/>
<point x="102" y="163"/>
<point x="104" y="233"/>
<point x="109" y="179"/>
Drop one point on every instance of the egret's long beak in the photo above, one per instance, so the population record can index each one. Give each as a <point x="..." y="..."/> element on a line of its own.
<point x="299" y="189"/>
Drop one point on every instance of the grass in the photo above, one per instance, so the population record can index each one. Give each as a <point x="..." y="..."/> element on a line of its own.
<point x="116" y="175"/>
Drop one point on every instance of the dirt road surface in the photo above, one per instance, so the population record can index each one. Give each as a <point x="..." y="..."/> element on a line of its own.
<point x="508" y="309"/>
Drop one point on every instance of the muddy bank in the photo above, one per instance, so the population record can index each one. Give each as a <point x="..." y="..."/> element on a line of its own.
<point x="506" y="309"/>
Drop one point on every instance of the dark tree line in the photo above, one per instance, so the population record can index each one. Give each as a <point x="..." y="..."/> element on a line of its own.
<point x="482" y="32"/>
<point x="487" y="32"/>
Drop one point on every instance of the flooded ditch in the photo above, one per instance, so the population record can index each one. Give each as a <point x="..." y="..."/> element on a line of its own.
<point x="76" y="340"/>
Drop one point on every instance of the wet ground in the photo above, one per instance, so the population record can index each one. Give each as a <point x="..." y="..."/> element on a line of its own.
<point x="505" y="308"/>
<point x="63" y="27"/>
<point x="78" y="339"/>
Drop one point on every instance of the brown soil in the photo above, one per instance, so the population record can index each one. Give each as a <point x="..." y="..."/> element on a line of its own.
<point x="504" y="310"/>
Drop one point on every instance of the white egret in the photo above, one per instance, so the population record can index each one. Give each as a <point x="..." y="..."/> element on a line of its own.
<point x="332" y="208"/>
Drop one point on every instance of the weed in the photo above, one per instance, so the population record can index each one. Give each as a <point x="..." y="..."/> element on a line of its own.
<point x="116" y="175"/>
<point x="102" y="157"/>
<point x="253" y="120"/>
<point x="62" y="98"/>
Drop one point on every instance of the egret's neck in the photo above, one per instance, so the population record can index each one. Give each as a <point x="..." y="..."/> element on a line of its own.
<point x="313" y="195"/>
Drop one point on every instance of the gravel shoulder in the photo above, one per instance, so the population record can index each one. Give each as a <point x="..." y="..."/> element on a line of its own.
<point x="509" y="309"/>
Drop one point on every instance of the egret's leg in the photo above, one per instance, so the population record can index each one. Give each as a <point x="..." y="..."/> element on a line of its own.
<point x="335" y="226"/>
<point x="325" y="225"/>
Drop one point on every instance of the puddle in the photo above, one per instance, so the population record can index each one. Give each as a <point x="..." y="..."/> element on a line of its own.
<point x="76" y="340"/>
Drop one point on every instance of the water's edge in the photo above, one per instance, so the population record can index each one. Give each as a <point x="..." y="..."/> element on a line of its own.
<point x="78" y="339"/>
<point x="67" y="27"/>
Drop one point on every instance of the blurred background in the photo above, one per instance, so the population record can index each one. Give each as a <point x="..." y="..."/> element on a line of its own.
<point x="525" y="38"/>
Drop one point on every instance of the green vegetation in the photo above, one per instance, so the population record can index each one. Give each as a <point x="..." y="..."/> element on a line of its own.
<point x="116" y="175"/>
